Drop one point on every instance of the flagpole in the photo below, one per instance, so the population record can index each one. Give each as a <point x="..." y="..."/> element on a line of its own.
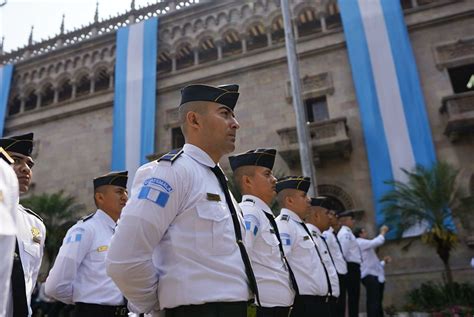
<point x="304" y="140"/>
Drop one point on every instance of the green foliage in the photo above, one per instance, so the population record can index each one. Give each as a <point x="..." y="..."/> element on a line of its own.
<point x="431" y="297"/>
<point x="430" y="196"/>
<point x="58" y="211"/>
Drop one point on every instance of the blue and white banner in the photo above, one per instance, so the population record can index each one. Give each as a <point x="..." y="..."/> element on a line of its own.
<point x="392" y="108"/>
<point x="6" y="72"/>
<point x="135" y="96"/>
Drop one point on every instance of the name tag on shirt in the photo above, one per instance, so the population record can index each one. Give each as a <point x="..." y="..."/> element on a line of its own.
<point x="213" y="197"/>
<point x="306" y="238"/>
<point x="102" y="248"/>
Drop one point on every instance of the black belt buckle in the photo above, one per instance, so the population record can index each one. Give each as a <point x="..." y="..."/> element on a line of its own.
<point x="121" y="311"/>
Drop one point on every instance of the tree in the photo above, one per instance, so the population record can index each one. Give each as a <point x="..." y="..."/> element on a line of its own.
<point x="58" y="211"/>
<point x="430" y="197"/>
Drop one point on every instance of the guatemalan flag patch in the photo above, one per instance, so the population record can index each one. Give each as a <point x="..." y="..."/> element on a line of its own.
<point x="156" y="190"/>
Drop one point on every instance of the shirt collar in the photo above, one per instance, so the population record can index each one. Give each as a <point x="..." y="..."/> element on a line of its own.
<point x="291" y="214"/>
<point x="105" y="218"/>
<point x="198" y="155"/>
<point x="346" y="228"/>
<point x="313" y="228"/>
<point x="258" y="203"/>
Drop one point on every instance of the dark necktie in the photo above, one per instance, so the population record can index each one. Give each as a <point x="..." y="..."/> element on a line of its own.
<point x="20" y="304"/>
<point x="339" y="244"/>
<point x="238" y="233"/>
<point x="290" y="271"/>
<point x="320" y="258"/>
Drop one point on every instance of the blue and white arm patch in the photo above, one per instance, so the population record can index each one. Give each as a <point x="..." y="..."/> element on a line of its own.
<point x="285" y="238"/>
<point x="156" y="190"/>
<point x="75" y="236"/>
<point x="251" y="224"/>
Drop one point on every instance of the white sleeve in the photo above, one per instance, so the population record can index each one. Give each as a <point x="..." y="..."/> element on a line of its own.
<point x="252" y="224"/>
<point x="154" y="203"/>
<point x="76" y="244"/>
<point x="365" y="244"/>
<point x="287" y="236"/>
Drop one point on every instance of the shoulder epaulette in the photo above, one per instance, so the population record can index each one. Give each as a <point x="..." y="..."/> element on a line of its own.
<point x="85" y="218"/>
<point x="31" y="212"/>
<point x="248" y="200"/>
<point x="171" y="156"/>
<point x="285" y="217"/>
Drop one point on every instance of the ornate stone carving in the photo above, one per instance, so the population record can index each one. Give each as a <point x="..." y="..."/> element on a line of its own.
<point x="338" y="193"/>
<point x="459" y="109"/>
<point x="313" y="86"/>
<point x="454" y="53"/>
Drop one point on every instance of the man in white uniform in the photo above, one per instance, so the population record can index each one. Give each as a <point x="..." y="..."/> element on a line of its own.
<point x="300" y="249"/>
<point x="338" y="309"/>
<point x="275" y="278"/>
<point x="179" y="243"/>
<point x="372" y="270"/>
<point x="8" y="210"/>
<point x="31" y="232"/>
<point x="78" y="276"/>
<point x="317" y="222"/>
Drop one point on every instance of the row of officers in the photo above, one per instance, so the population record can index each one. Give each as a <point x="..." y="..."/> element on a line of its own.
<point x="180" y="244"/>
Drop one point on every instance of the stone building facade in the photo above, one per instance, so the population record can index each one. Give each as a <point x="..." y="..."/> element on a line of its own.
<point x="62" y="90"/>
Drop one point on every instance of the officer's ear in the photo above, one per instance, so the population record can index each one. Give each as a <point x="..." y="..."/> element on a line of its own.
<point x="193" y="120"/>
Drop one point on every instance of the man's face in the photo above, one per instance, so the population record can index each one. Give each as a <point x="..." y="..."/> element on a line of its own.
<point x="22" y="167"/>
<point x="323" y="215"/>
<point x="219" y="128"/>
<point x="112" y="199"/>
<point x="301" y="204"/>
<point x="347" y="221"/>
<point x="333" y="221"/>
<point x="263" y="184"/>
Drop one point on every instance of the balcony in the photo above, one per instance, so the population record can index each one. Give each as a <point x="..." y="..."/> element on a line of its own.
<point x="329" y="139"/>
<point x="459" y="110"/>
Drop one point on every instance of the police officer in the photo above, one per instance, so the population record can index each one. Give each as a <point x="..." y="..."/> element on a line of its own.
<point x="372" y="270"/>
<point x="275" y="279"/>
<point x="338" y="309"/>
<point x="179" y="243"/>
<point x="300" y="248"/>
<point x="317" y="222"/>
<point x="8" y="210"/>
<point x="31" y="231"/>
<point x="78" y="275"/>
<point x="352" y="254"/>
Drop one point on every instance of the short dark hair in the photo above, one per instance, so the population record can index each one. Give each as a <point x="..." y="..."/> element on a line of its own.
<point x="358" y="231"/>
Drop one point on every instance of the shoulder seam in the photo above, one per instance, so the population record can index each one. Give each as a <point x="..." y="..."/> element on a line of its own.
<point x="31" y="212"/>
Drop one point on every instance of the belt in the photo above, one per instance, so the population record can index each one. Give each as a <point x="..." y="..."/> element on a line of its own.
<point x="102" y="310"/>
<point x="315" y="298"/>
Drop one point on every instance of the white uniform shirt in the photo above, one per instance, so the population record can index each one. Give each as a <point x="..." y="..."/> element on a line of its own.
<point x="270" y="270"/>
<point x="301" y="254"/>
<point x="31" y="236"/>
<point x="371" y="265"/>
<point x="349" y="245"/>
<point x="8" y="212"/>
<point x="336" y="251"/>
<point x="175" y="242"/>
<point x="326" y="257"/>
<point x="78" y="274"/>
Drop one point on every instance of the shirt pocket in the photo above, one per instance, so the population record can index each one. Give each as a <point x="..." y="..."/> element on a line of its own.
<point x="98" y="253"/>
<point x="213" y="229"/>
<point x="270" y="245"/>
<point x="31" y="259"/>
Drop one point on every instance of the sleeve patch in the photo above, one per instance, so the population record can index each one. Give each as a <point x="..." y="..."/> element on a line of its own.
<point x="251" y="224"/>
<point x="154" y="195"/>
<point x="158" y="184"/>
<point x="285" y="239"/>
<point x="75" y="237"/>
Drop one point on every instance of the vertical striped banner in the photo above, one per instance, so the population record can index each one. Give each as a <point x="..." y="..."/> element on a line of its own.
<point x="135" y="96"/>
<point x="395" y="123"/>
<point x="6" y="72"/>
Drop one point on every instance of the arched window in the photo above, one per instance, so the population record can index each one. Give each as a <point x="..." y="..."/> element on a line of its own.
<point x="333" y="18"/>
<point x="278" y="33"/>
<point x="47" y="96"/>
<point x="102" y="80"/>
<point x="232" y="43"/>
<point x="256" y="37"/>
<point x="14" y="106"/>
<point x="207" y="50"/>
<point x="184" y="56"/>
<point x="65" y="90"/>
<point x="164" y="64"/>
<point x="83" y="85"/>
<point x="31" y="100"/>
<point x="307" y="22"/>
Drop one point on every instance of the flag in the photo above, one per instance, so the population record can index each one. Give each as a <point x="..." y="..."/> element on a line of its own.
<point x="6" y="72"/>
<point x="392" y="108"/>
<point x="135" y="95"/>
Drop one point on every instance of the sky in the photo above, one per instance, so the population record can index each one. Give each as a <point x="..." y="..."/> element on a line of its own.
<point x="17" y="17"/>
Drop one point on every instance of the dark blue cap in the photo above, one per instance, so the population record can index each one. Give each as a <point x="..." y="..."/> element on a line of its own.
<point x="345" y="213"/>
<point x="113" y="178"/>
<point x="226" y="95"/>
<point x="293" y="182"/>
<point x="258" y="157"/>
<point x="22" y="144"/>
<point x="319" y="201"/>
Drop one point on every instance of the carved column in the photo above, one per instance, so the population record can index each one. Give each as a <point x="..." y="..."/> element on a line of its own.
<point x="244" y="42"/>
<point x="74" y="88"/>
<point x="22" y="103"/>
<point x="173" y="62"/>
<point x="92" y="86"/>
<point x="56" y="94"/>
<point x="323" y="24"/>
<point x="196" y="56"/>
<point x="269" y="36"/>
<point x="219" y="44"/>
<point x="38" y="99"/>
<point x="111" y="81"/>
